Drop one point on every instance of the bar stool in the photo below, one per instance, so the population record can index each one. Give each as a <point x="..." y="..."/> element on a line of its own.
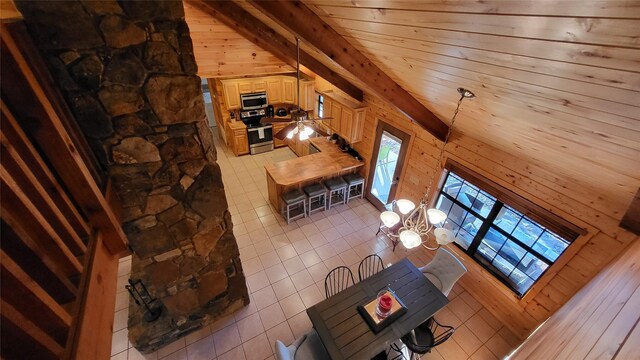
<point x="317" y="194"/>
<point x="292" y="201"/>
<point x="356" y="186"/>
<point x="337" y="191"/>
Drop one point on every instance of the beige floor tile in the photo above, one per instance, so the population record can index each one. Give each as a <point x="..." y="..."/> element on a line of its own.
<point x="250" y="327"/>
<point x="276" y="273"/>
<point x="120" y="356"/>
<point x="171" y="348"/>
<point x="272" y="316"/>
<point x="466" y="339"/>
<point x="471" y="301"/>
<point x="264" y="297"/>
<point x="317" y="240"/>
<point x="340" y="245"/>
<point x="257" y="281"/>
<point x="309" y="230"/>
<point x="178" y="355"/>
<point x="134" y="354"/>
<point x="120" y="319"/>
<point x="301" y="279"/>
<point x="292" y="305"/>
<point x="480" y="328"/>
<point x="252" y="266"/>
<point x="450" y="350"/>
<point x="269" y="259"/>
<point x="202" y="349"/>
<point x="331" y="234"/>
<point x="311" y="295"/>
<point x="301" y="246"/>
<point x="483" y="353"/>
<point x="318" y="272"/>
<point x="221" y="323"/>
<point x="293" y="265"/>
<point x="286" y="252"/>
<point x="120" y="341"/>
<point x="263" y="246"/>
<point x="350" y="257"/>
<point x="498" y="346"/>
<point x="280" y="332"/>
<point x="300" y="324"/>
<point x="257" y="348"/>
<point x="460" y="308"/>
<point x="334" y="262"/>
<point x="310" y="258"/>
<point x="279" y="241"/>
<point x="326" y="252"/>
<point x="236" y="353"/>
<point x="226" y="339"/>
<point x="284" y="288"/>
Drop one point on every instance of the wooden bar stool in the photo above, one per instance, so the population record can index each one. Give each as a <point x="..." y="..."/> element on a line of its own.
<point x="355" y="188"/>
<point x="317" y="194"/>
<point x="337" y="191"/>
<point x="292" y="201"/>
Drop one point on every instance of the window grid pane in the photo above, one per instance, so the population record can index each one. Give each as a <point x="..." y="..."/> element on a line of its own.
<point x="512" y="246"/>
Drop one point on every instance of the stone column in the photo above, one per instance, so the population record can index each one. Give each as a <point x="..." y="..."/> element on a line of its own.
<point x="128" y="74"/>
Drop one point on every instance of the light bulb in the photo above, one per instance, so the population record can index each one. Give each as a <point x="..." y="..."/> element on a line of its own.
<point x="405" y="206"/>
<point x="290" y="134"/>
<point x="389" y="218"/>
<point x="308" y="130"/>
<point x="303" y="135"/>
<point x="410" y="239"/>
<point x="444" y="236"/>
<point x="436" y="216"/>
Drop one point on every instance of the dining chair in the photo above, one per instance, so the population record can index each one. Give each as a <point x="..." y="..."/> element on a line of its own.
<point x="369" y="266"/>
<point x="444" y="270"/>
<point x="425" y="337"/>
<point x="337" y="280"/>
<point x="307" y="347"/>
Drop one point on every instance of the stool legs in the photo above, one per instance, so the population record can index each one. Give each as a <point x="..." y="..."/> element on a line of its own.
<point x="359" y="194"/>
<point x="286" y="210"/>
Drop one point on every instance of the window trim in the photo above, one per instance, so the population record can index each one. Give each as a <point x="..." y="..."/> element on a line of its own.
<point x="529" y="209"/>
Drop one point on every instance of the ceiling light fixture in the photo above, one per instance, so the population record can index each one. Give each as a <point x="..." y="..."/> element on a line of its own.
<point x="418" y="221"/>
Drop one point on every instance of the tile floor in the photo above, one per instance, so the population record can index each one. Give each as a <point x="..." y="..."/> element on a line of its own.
<point x="285" y="266"/>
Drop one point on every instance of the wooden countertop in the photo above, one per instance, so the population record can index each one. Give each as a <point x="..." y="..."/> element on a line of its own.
<point x="330" y="160"/>
<point x="236" y="125"/>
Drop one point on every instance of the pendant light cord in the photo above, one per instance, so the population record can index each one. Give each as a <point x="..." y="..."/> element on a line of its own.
<point x="425" y="199"/>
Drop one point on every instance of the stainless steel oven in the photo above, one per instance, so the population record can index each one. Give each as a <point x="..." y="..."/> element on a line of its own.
<point x="253" y="101"/>
<point x="260" y="138"/>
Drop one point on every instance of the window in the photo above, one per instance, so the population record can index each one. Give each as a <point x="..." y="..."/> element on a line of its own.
<point x="320" y="106"/>
<point x="511" y="237"/>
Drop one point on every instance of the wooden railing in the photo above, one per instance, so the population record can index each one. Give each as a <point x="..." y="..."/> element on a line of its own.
<point x="61" y="239"/>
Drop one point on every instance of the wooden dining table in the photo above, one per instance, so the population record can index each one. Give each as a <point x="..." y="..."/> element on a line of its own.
<point x="345" y="333"/>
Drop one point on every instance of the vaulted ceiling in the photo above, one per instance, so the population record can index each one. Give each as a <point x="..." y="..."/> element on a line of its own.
<point x="557" y="81"/>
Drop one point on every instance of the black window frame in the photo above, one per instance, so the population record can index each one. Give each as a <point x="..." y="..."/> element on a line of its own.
<point x="505" y="197"/>
<point x="320" y="105"/>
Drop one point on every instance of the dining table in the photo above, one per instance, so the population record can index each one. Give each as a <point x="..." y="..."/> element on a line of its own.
<point x="346" y="334"/>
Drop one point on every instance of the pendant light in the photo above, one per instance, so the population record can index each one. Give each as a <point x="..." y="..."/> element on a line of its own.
<point x="419" y="221"/>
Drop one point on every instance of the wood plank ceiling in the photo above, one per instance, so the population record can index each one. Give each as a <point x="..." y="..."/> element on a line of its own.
<point x="557" y="82"/>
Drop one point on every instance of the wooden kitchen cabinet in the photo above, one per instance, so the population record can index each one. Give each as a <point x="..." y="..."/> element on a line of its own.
<point x="288" y="90"/>
<point x="231" y="95"/>
<point x="274" y="90"/>
<point x="259" y="85"/>
<point x="245" y="87"/>
<point x="276" y="128"/>
<point x="348" y="117"/>
<point x="307" y="95"/>
<point x="240" y="143"/>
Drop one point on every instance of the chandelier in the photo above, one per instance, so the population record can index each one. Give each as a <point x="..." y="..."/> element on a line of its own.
<point x="418" y="222"/>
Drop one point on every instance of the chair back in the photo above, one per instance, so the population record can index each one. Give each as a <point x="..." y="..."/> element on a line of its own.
<point x="369" y="266"/>
<point x="447" y="268"/>
<point x="337" y="280"/>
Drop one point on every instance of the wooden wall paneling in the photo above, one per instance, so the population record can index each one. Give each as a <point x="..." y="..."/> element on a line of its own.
<point x="298" y="18"/>
<point x="619" y="58"/>
<point x="46" y="127"/>
<point x="611" y="78"/>
<point x="596" y="8"/>
<point x="604" y="31"/>
<point x="253" y="29"/>
<point x="29" y="154"/>
<point x="220" y="51"/>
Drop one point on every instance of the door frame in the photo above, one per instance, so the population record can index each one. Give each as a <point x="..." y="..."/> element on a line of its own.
<point x="404" y="148"/>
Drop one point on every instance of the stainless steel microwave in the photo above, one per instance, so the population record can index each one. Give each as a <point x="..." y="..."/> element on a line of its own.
<point x="253" y="101"/>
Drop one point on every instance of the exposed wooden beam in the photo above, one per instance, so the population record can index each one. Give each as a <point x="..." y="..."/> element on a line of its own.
<point x="302" y="21"/>
<point x="262" y="35"/>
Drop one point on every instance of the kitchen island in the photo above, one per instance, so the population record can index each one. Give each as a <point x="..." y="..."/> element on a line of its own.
<point x="297" y="173"/>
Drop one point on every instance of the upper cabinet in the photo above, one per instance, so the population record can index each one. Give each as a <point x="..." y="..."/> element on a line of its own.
<point x="280" y="89"/>
<point x="347" y="117"/>
<point x="288" y="90"/>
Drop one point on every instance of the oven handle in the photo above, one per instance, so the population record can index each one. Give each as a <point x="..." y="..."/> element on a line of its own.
<point x="263" y="127"/>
